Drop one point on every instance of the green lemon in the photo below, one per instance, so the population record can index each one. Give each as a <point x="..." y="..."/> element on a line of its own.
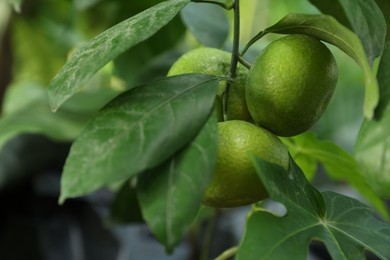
<point x="236" y="182"/>
<point x="217" y="62"/>
<point x="290" y="84"/>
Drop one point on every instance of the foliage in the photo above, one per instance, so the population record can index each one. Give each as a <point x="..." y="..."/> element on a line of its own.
<point x="155" y="136"/>
<point x="346" y="226"/>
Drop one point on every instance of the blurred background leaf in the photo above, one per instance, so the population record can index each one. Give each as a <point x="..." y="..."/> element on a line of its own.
<point x="364" y="17"/>
<point x="372" y="145"/>
<point x="207" y="22"/>
<point x="307" y="151"/>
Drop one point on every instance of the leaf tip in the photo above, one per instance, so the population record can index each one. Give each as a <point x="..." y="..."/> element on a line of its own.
<point x="62" y="199"/>
<point x="54" y="102"/>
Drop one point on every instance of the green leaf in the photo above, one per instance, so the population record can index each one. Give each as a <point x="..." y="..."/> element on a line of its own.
<point x="383" y="77"/>
<point x="93" y="55"/>
<point x="125" y="208"/>
<point x="171" y="194"/>
<point x="364" y="17"/>
<point x="138" y="58"/>
<point x="137" y="131"/>
<point x="346" y="226"/>
<point x="207" y="22"/>
<point x="338" y="163"/>
<point x="384" y="6"/>
<point x="298" y="149"/>
<point x="326" y="28"/>
<point x="335" y="9"/>
<point x="372" y="149"/>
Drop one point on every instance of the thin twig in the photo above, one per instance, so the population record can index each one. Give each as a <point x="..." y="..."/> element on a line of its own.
<point x="244" y="62"/>
<point x="228" y="253"/>
<point x="235" y="53"/>
<point x="209" y="235"/>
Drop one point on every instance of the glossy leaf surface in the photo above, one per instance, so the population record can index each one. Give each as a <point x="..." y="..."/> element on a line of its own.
<point x="179" y="184"/>
<point x="345" y="225"/>
<point x="137" y="131"/>
<point x="94" y="54"/>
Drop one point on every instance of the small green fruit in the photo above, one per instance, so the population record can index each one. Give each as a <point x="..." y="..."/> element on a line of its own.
<point x="290" y="84"/>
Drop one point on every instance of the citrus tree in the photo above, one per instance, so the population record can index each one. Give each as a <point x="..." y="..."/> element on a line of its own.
<point x="207" y="110"/>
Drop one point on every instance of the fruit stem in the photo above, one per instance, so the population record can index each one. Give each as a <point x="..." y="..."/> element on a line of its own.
<point x="236" y="39"/>
<point x="235" y="52"/>
<point x="244" y="62"/>
<point x="225" y="6"/>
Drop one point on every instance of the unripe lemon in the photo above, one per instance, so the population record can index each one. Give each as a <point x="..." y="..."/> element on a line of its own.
<point x="290" y="84"/>
<point x="236" y="182"/>
<point x="217" y="62"/>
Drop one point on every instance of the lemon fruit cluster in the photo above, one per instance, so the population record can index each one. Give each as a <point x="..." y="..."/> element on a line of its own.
<point x="284" y="93"/>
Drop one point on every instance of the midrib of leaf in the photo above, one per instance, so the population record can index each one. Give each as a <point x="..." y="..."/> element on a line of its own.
<point x="166" y="102"/>
<point x="345" y="212"/>
<point x="304" y="209"/>
<point x="334" y="239"/>
<point x="356" y="240"/>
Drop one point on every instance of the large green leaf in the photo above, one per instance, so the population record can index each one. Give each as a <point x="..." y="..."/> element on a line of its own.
<point x="125" y="207"/>
<point x="93" y="55"/>
<point x="171" y="194"/>
<point x="346" y="226"/>
<point x="137" y="131"/>
<point x="326" y="28"/>
<point x="364" y="17"/>
<point x="207" y="22"/>
<point x="338" y="163"/>
<point x="372" y="149"/>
